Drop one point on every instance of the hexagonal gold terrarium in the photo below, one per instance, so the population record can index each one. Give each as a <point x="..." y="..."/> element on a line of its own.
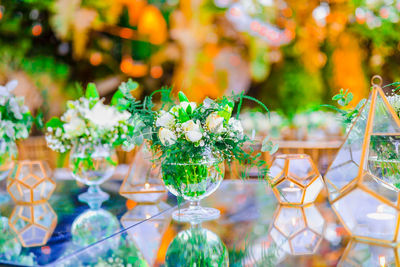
<point x="297" y="230"/>
<point x="359" y="254"/>
<point x="33" y="224"/>
<point x="143" y="182"/>
<point x="28" y="183"/>
<point x="296" y="179"/>
<point x="363" y="179"/>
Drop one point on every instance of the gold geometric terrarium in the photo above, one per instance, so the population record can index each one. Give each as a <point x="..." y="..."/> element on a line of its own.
<point x="33" y="224"/>
<point x="297" y="230"/>
<point x="363" y="179"/>
<point x="296" y="179"/>
<point x="143" y="182"/>
<point x="28" y="182"/>
<point x="360" y="254"/>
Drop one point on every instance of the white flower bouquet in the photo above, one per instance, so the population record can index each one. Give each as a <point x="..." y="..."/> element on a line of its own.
<point x="15" y="122"/>
<point x="193" y="141"/>
<point x="88" y="122"/>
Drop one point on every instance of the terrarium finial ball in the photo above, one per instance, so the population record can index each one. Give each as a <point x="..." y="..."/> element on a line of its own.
<point x="29" y="182"/>
<point x="295" y="179"/>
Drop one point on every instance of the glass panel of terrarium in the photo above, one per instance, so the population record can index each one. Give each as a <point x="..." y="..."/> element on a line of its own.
<point x="345" y="166"/>
<point x="367" y="216"/>
<point x="383" y="122"/>
<point x="383" y="154"/>
<point x="384" y="160"/>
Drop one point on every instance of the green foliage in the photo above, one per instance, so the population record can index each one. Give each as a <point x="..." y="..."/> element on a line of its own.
<point x="91" y="92"/>
<point x="344" y="99"/>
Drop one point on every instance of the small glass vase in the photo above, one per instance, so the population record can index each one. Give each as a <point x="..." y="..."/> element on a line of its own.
<point x="194" y="181"/>
<point x="92" y="165"/>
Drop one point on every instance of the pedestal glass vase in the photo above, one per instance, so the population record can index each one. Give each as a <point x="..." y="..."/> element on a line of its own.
<point x="194" y="181"/>
<point x="93" y="164"/>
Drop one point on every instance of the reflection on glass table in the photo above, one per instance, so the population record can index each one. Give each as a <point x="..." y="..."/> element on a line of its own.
<point x="242" y="231"/>
<point x="361" y="253"/>
<point x="45" y="233"/>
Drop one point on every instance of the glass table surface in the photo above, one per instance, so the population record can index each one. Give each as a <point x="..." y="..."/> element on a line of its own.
<point x="253" y="230"/>
<point x="42" y="234"/>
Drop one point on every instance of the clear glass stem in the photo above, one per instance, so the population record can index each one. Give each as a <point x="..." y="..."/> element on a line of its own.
<point x="94" y="189"/>
<point x="194" y="205"/>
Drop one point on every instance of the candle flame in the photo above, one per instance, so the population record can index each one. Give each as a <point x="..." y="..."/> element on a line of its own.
<point x="146" y="186"/>
<point x="291" y="185"/>
<point x="382" y="261"/>
<point x="148" y="216"/>
<point x="293" y="221"/>
<point x="380" y="208"/>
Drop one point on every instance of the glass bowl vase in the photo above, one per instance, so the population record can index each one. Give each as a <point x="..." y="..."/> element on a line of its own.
<point x="193" y="181"/>
<point x="92" y="165"/>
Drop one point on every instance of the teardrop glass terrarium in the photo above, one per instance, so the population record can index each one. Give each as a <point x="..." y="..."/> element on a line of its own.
<point x="194" y="180"/>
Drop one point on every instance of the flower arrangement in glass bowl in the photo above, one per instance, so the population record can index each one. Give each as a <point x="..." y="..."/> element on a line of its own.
<point x="15" y="123"/>
<point x="90" y="131"/>
<point x="193" y="142"/>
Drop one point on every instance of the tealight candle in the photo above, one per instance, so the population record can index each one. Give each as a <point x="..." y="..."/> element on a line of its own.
<point x="381" y="222"/>
<point x="291" y="193"/>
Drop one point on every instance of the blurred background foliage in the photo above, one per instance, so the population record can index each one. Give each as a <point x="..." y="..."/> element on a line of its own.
<point x="293" y="55"/>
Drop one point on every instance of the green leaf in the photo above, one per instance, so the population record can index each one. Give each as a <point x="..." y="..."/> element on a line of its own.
<point x="91" y="91"/>
<point x="39" y="120"/>
<point x="116" y="98"/>
<point x="189" y="109"/>
<point x="54" y="123"/>
<point x="182" y="97"/>
<point x="127" y="87"/>
<point x="183" y="116"/>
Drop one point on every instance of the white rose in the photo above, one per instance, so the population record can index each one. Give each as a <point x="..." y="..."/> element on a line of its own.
<point x="192" y="131"/>
<point x="185" y="105"/>
<point x="69" y="115"/>
<point x="215" y="123"/>
<point x="167" y="137"/>
<point x="166" y="120"/>
<point x="105" y="116"/>
<point x="75" y="127"/>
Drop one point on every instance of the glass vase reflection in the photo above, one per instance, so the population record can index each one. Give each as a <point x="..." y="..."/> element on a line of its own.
<point x="143" y="182"/>
<point x="362" y="180"/>
<point x="33" y="224"/>
<point x="197" y="247"/>
<point x="9" y="245"/>
<point x="193" y="181"/>
<point x="297" y="230"/>
<point x="359" y="254"/>
<point x="92" y="165"/>
<point x="147" y="236"/>
<point x="93" y="225"/>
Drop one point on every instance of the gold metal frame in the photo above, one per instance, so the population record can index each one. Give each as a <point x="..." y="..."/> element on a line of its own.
<point x="354" y="241"/>
<point x="284" y="176"/>
<point x="32" y="221"/>
<point x="357" y="182"/>
<point x="305" y="220"/>
<point x="14" y="178"/>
